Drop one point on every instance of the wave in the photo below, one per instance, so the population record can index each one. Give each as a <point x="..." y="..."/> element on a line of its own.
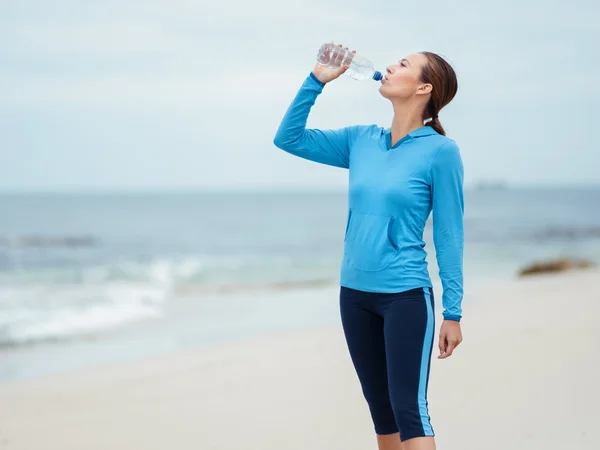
<point x="69" y="302"/>
<point x="557" y="232"/>
<point x="42" y="312"/>
<point x="496" y="233"/>
<point x="40" y="241"/>
<point x="191" y="289"/>
<point x="169" y="272"/>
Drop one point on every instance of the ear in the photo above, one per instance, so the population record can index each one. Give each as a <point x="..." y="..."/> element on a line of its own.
<point x="424" y="89"/>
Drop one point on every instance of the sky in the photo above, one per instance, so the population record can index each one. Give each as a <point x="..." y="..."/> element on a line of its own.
<point x="181" y="94"/>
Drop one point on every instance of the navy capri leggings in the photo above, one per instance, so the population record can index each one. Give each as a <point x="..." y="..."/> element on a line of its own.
<point x="390" y="339"/>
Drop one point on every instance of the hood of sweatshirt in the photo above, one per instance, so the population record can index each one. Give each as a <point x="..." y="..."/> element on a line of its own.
<point x="424" y="131"/>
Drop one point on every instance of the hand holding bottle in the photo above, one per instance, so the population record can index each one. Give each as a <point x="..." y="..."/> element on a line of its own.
<point x="326" y="74"/>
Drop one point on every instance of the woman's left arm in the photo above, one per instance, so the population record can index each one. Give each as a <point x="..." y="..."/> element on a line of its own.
<point x="447" y="175"/>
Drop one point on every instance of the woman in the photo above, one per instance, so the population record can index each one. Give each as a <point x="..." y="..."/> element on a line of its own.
<point x="397" y="177"/>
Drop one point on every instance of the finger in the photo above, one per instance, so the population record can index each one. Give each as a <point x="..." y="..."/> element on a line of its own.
<point x="451" y="346"/>
<point x="442" y="345"/>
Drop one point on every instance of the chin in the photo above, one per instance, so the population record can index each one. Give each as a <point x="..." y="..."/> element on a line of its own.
<point x="382" y="91"/>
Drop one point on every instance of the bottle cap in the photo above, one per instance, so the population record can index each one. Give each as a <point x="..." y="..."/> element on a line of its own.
<point x="377" y="76"/>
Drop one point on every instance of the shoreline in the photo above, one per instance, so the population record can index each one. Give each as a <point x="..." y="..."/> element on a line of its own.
<point x="95" y="350"/>
<point x="524" y="378"/>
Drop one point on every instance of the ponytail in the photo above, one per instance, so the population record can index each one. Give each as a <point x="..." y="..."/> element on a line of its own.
<point x="436" y="125"/>
<point x="442" y="78"/>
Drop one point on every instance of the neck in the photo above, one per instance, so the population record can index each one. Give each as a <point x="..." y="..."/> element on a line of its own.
<point x="407" y="118"/>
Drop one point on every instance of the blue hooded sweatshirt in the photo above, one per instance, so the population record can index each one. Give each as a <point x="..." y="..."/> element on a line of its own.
<point x="392" y="191"/>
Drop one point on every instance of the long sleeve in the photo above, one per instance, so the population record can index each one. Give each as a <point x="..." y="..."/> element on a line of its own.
<point x="448" y="233"/>
<point x="323" y="146"/>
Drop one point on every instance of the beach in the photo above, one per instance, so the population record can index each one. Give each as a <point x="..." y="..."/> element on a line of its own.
<point x="525" y="377"/>
<point x="171" y="259"/>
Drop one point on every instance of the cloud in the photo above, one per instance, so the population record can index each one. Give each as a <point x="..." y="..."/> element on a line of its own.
<point x="176" y="91"/>
<point x="113" y="38"/>
<point x="177" y="76"/>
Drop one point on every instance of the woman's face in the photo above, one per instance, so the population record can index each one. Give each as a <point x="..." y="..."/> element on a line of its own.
<point x="403" y="79"/>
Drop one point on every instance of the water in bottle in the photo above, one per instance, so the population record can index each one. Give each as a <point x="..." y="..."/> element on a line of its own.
<point x="360" y="68"/>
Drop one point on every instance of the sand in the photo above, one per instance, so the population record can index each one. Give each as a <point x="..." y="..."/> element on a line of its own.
<point x="525" y="377"/>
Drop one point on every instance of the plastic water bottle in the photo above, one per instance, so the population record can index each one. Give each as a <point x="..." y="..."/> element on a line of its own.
<point x="360" y="68"/>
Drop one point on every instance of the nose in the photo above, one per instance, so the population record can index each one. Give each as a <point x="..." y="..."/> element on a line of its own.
<point x="388" y="70"/>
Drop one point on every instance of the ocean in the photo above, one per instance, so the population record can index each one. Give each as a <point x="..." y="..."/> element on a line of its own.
<point x="91" y="279"/>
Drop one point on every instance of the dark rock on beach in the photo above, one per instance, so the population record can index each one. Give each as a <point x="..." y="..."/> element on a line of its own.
<point x="34" y="241"/>
<point x="558" y="265"/>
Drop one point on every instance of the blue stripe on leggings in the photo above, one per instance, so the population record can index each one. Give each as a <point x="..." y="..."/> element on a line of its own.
<point x="425" y="357"/>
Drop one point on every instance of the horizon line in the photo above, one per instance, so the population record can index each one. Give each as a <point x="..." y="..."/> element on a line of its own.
<point x="478" y="186"/>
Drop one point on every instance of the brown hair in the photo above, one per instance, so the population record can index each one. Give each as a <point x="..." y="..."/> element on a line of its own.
<point x="442" y="77"/>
